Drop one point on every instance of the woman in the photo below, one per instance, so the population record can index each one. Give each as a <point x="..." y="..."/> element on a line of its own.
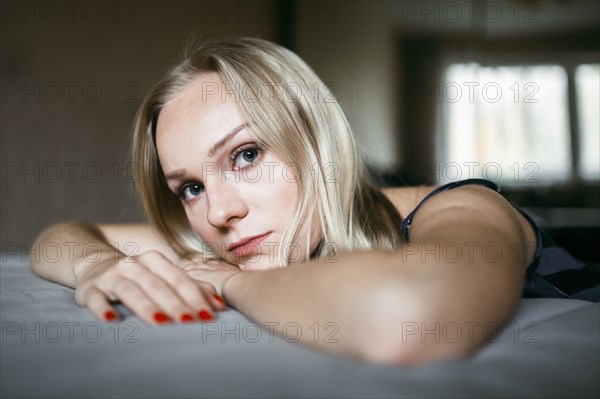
<point x="257" y="198"/>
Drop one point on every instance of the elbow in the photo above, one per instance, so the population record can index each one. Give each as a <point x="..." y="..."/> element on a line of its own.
<point x="395" y="350"/>
<point x="402" y="330"/>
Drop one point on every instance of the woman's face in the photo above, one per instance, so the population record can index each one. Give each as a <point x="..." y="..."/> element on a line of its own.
<point x="238" y="196"/>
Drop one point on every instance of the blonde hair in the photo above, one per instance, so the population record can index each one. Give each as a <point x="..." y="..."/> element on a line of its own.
<point x="293" y="114"/>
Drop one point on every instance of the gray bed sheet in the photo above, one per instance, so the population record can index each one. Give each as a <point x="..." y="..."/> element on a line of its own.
<point x="52" y="348"/>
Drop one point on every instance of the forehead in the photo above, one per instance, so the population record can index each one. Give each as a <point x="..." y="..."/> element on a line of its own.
<point x="195" y="118"/>
<point x="202" y="97"/>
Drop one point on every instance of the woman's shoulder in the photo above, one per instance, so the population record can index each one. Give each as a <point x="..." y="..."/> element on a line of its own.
<point x="470" y="199"/>
<point x="405" y="199"/>
<point x="467" y="204"/>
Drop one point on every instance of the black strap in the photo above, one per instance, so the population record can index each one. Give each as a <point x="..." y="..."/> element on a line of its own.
<point x="581" y="282"/>
<point x="405" y="224"/>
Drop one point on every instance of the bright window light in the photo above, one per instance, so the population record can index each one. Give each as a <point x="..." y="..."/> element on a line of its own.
<point x="506" y="124"/>
<point x="587" y="84"/>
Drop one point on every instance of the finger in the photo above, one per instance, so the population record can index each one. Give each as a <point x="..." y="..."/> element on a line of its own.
<point x="168" y="298"/>
<point x="219" y="302"/>
<point x="98" y="304"/>
<point x="210" y="294"/>
<point x="184" y="286"/>
<point x="136" y="299"/>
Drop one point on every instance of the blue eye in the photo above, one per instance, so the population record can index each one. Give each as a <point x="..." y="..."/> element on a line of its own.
<point x="247" y="155"/>
<point x="191" y="191"/>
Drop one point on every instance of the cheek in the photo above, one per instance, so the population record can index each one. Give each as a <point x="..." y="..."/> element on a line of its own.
<point x="284" y="195"/>
<point x="282" y="201"/>
<point x="197" y="219"/>
<point x="282" y="186"/>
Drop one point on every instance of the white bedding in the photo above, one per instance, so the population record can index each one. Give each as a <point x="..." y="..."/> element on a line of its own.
<point x="50" y="347"/>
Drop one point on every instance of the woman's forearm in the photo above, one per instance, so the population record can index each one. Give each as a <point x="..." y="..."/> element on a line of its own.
<point x="62" y="251"/>
<point x="340" y="306"/>
<point x="380" y="306"/>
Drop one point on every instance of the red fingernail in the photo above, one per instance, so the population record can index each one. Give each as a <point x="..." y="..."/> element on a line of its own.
<point x="218" y="298"/>
<point x="109" y="315"/>
<point x="160" y="317"/>
<point x="204" y="315"/>
<point x="186" y="317"/>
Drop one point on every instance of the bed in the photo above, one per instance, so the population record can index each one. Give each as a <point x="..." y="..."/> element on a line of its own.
<point x="50" y="347"/>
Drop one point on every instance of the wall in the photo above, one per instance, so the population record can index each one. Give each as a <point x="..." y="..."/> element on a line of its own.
<point x="351" y="46"/>
<point x="73" y="76"/>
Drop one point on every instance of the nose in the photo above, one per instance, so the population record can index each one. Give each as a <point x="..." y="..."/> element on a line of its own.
<point x="225" y="203"/>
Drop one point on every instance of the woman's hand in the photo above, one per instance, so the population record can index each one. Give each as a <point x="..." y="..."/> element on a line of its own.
<point x="213" y="272"/>
<point x="151" y="286"/>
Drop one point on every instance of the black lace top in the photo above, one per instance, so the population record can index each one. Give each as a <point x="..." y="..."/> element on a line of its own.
<point x="554" y="272"/>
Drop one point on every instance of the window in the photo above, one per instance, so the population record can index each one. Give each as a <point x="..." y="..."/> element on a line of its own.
<point x="587" y="81"/>
<point x="510" y="124"/>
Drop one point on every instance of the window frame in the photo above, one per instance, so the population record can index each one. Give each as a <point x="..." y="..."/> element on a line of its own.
<point x="430" y="55"/>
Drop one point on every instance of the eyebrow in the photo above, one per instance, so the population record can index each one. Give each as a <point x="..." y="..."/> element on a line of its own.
<point x="219" y="144"/>
<point x="179" y="173"/>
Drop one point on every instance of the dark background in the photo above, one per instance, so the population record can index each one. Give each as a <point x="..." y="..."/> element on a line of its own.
<point x="74" y="73"/>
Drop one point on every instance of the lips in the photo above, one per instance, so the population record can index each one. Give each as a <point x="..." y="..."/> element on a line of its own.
<point x="247" y="244"/>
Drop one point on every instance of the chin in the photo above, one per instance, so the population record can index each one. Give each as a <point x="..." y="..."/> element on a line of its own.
<point x="252" y="267"/>
<point x="259" y="262"/>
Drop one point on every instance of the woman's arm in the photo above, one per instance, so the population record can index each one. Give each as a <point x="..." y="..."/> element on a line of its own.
<point x="144" y="276"/>
<point x="75" y="246"/>
<point x="442" y="295"/>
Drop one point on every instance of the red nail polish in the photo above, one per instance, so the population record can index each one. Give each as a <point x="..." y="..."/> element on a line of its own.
<point x="186" y="317"/>
<point x="218" y="298"/>
<point x="109" y="315"/>
<point x="204" y="315"/>
<point x="160" y="317"/>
